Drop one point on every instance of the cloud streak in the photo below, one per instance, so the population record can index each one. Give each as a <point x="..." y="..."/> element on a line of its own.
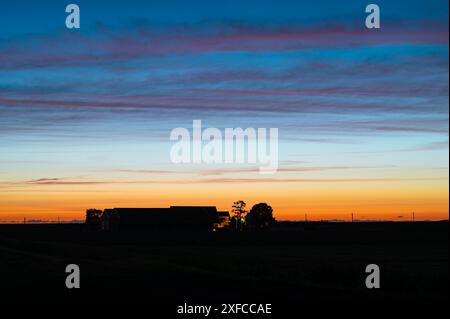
<point x="69" y="49"/>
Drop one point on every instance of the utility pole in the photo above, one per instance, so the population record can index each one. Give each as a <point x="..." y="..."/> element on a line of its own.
<point x="306" y="217"/>
<point x="414" y="216"/>
<point x="352" y="218"/>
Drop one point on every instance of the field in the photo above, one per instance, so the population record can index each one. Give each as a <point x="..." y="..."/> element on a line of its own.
<point x="294" y="262"/>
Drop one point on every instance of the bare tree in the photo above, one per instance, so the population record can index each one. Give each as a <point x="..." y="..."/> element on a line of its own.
<point x="238" y="209"/>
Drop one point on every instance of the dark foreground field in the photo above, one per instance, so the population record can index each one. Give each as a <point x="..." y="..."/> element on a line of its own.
<point x="295" y="262"/>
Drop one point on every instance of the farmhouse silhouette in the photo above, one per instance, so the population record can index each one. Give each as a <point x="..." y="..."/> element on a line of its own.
<point x="189" y="218"/>
<point x="197" y="218"/>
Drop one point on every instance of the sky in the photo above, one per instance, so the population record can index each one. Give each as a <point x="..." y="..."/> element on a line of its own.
<point x="362" y="114"/>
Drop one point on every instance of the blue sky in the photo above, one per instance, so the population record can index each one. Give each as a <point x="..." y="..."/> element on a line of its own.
<point x="88" y="105"/>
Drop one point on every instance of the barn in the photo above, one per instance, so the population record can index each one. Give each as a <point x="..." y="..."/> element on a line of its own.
<point x="187" y="218"/>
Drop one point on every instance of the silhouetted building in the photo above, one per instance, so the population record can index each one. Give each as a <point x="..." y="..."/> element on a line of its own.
<point x="110" y="220"/>
<point x="174" y="218"/>
<point x="224" y="220"/>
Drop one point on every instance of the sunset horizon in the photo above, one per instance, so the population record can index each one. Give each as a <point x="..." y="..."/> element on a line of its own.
<point x="361" y="114"/>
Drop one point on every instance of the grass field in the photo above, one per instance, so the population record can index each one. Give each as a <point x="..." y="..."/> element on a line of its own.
<point x="294" y="262"/>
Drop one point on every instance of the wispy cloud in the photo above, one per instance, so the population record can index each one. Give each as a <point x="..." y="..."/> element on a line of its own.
<point x="71" y="49"/>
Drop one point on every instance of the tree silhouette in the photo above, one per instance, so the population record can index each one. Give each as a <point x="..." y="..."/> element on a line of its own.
<point x="260" y="216"/>
<point x="93" y="218"/>
<point x="238" y="209"/>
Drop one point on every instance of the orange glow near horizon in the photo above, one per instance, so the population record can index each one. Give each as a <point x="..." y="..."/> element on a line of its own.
<point x="290" y="201"/>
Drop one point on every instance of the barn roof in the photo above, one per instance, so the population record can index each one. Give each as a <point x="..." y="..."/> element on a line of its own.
<point x="175" y="216"/>
<point x="223" y="214"/>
